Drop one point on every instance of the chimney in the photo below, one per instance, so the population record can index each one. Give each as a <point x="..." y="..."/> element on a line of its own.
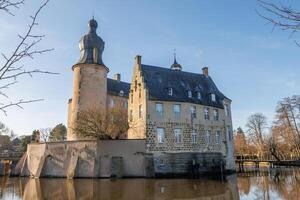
<point x="205" y="71"/>
<point x="138" y="59"/>
<point x="117" y="77"/>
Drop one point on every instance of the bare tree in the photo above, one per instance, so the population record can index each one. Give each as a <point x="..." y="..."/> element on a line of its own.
<point x="45" y="134"/>
<point x="280" y="16"/>
<point x="286" y="125"/>
<point x="13" y="68"/>
<point x="92" y="123"/>
<point x="257" y="125"/>
<point x="7" y="5"/>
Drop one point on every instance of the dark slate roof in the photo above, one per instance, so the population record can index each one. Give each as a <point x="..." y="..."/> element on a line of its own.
<point x="114" y="87"/>
<point x="158" y="81"/>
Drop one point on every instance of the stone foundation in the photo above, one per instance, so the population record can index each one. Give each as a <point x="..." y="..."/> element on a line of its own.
<point x="115" y="158"/>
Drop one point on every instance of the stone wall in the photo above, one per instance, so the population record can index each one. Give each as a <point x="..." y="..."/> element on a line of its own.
<point x="186" y="164"/>
<point x="86" y="158"/>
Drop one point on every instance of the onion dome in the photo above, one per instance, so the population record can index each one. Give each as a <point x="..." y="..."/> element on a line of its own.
<point x="175" y="65"/>
<point x="91" y="46"/>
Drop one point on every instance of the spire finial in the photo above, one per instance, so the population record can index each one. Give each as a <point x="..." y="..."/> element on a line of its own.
<point x="174" y="54"/>
<point x="175" y="65"/>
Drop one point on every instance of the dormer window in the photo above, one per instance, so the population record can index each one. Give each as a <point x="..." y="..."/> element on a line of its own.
<point x="213" y="97"/>
<point x="198" y="95"/>
<point x="170" y="91"/>
<point x="121" y="93"/>
<point x="190" y="94"/>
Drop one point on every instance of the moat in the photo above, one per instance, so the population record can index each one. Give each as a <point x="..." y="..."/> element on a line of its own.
<point x="275" y="183"/>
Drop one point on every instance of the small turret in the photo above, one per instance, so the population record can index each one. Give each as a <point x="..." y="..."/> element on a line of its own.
<point x="175" y="65"/>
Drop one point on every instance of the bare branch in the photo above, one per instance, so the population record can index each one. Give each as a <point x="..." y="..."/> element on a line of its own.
<point x="6" y="5"/>
<point x="26" y="48"/>
<point x="280" y="16"/>
<point x="18" y="104"/>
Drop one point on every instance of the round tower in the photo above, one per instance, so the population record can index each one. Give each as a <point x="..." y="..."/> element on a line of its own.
<point x="89" y="79"/>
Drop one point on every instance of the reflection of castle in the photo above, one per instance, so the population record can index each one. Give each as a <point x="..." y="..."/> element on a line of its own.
<point x="180" y="123"/>
<point x="130" y="189"/>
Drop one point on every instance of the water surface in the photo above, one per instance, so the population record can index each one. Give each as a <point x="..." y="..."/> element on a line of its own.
<point x="277" y="183"/>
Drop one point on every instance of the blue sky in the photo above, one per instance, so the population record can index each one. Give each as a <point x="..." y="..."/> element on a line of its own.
<point x="250" y="64"/>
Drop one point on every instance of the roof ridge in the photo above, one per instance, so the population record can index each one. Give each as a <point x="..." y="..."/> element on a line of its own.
<point x="173" y="70"/>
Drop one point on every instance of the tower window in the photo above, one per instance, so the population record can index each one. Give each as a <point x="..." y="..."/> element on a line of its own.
<point x="140" y="111"/>
<point x="135" y="85"/>
<point x="140" y="92"/>
<point x="131" y="97"/>
<point x="130" y="115"/>
<point x="190" y="95"/>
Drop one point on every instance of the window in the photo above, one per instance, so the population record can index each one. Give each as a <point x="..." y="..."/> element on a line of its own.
<point x="229" y="133"/>
<point x="194" y="136"/>
<point x="218" y="137"/>
<point x="207" y="136"/>
<point x="140" y="92"/>
<point x="216" y="114"/>
<point x="198" y="95"/>
<point x="213" y="97"/>
<point x="206" y="113"/>
<point x="190" y="94"/>
<point x="130" y="115"/>
<point x="135" y="85"/>
<point x="112" y="103"/>
<point x="140" y="111"/>
<point x="170" y="91"/>
<point x="160" y="135"/>
<point x="193" y="111"/>
<point x="125" y="104"/>
<point x="227" y="110"/>
<point x="121" y="93"/>
<point x="177" y="110"/>
<point x="159" y="109"/>
<point x="131" y="97"/>
<point x="177" y="133"/>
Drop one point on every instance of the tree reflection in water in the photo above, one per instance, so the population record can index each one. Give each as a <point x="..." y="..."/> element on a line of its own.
<point x="276" y="183"/>
<point x="18" y="188"/>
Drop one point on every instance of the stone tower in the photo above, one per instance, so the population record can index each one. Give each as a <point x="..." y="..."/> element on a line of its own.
<point x="89" y="79"/>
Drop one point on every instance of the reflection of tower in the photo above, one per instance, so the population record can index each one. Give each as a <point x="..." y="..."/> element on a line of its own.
<point x="89" y="78"/>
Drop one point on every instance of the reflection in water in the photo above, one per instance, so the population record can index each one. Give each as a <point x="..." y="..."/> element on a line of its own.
<point x="277" y="183"/>
<point x="25" y="188"/>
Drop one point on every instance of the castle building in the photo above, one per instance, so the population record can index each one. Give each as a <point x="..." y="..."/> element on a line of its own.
<point x="179" y="112"/>
<point x="181" y="117"/>
<point x="91" y="87"/>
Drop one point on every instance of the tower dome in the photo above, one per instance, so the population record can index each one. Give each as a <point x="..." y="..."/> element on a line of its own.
<point x="91" y="46"/>
<point x="175" y="65"/>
